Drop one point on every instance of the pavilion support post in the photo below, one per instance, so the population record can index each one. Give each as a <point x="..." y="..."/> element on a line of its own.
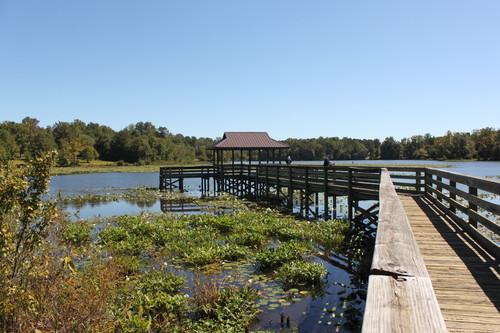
<point x="302" y="201"/>
<point x="316" y="204"/>
<point x="290" y="188"/>
<point x="325" y="191"/>
<point x="334" y="207"/>
<point x="278" y="185"/>
<point x="306" y="201"/>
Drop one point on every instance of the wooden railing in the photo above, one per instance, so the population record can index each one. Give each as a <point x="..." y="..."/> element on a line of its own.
<point x="330" y="180"/>
<point x="173" y="177"/>
<point x="364" y="179"/>
<point x="186" y="171"/>
<point x="362" y="182"/>
<point x="463" y="197"/>
<point x="400" y="294"/>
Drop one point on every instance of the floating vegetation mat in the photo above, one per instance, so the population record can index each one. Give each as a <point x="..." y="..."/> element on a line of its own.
<point x="250" y="269"/>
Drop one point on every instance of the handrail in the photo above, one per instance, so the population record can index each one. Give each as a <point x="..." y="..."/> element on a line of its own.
<point x="460" y="197"/>
<point x="400" y="295"/>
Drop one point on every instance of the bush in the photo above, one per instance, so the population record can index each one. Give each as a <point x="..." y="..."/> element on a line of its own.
<point x="25" y="218"/>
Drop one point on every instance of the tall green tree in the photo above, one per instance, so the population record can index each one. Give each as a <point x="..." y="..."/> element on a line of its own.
<point x="390" y="149"/>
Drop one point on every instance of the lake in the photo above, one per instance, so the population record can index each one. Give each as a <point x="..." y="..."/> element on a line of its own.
<point x="106" y="183"/>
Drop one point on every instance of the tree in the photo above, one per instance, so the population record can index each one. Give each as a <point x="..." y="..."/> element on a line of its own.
<point x="487" y="143"/>
<point x="42" y="143"/>
<point x="25" y="216"/>
<point x="390" y="149"/>
<point x="8" y="146"/>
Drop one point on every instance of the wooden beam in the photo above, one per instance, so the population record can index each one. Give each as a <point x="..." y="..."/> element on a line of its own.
<point x="400" y="295"/>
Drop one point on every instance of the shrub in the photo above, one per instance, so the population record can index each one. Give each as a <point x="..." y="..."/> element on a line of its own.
<point x="25" y="218"/>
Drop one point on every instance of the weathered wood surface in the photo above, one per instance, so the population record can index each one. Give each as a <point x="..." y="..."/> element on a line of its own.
<point x="466" y="207"/>
<point x="406" y="305"/>
<point x="465" y="277"/>
<point x="396" y="251"/>
<point x="400" y="293"/>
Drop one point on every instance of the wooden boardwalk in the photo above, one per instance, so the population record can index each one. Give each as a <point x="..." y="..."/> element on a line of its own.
<point x="465" y="278"/>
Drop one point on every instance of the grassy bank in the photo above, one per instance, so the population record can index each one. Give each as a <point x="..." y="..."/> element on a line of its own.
<point x="108" y="167"/>
<point x="105" y="167"/>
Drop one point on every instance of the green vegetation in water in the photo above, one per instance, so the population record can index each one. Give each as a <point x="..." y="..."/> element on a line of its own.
<point x="153" y="273"/>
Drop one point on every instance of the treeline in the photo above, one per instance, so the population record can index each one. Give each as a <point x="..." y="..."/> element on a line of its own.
<point x="75" y="141"/>
<point x="483" y="144"/>
<point x="143" y="143"/>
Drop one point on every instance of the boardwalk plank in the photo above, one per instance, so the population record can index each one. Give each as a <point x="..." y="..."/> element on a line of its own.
<point x="464" y="276"/>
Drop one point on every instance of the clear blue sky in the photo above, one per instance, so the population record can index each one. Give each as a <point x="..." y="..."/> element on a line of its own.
<point x="302" y="69"/>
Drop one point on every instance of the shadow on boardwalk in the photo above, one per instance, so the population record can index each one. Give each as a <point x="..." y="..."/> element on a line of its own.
<point x="465" y="277"/>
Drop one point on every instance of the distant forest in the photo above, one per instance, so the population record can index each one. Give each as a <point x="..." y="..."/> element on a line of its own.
<point x="144" y="143"/>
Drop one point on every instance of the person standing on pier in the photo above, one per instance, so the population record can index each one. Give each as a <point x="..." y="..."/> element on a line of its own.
<point x="288" y="160"/>
<point x="327" y="161"/>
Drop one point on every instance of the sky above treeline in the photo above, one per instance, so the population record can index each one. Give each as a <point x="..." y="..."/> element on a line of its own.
<point x="295" y="69"/>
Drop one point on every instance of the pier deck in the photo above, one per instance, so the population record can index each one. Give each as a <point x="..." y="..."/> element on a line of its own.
<point x="465" y="277"/>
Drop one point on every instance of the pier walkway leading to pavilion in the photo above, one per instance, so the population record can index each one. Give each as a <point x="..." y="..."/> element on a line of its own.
<point x="465" y="277"/>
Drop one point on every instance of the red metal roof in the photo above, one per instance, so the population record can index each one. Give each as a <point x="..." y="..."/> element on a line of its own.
<point x="247" y="140"/>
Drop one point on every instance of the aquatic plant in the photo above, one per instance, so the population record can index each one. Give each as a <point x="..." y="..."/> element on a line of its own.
<point x="270" y="258"/>
<point x="153" y="302"/>
<point x="329" y="234"/>
<point x="76" y="233"/>
<point x="228" y="310"/>
<point x="299" y="273"/>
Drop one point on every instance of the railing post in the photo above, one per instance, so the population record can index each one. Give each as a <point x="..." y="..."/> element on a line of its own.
<point x="349" y="193"/>
<point x="453" y="196"/>
<point x="418" y="176"/>
<point x="472" y="207"/>
<point x="439" y="188"/>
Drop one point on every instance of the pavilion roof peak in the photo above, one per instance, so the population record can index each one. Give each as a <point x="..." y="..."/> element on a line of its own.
<point x="247" y="140"/>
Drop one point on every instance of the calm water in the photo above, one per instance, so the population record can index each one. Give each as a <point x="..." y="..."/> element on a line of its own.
<point x="103" y="183"/>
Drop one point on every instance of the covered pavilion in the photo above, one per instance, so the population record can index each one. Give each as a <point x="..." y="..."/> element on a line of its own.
<point x="267" y="149"/>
